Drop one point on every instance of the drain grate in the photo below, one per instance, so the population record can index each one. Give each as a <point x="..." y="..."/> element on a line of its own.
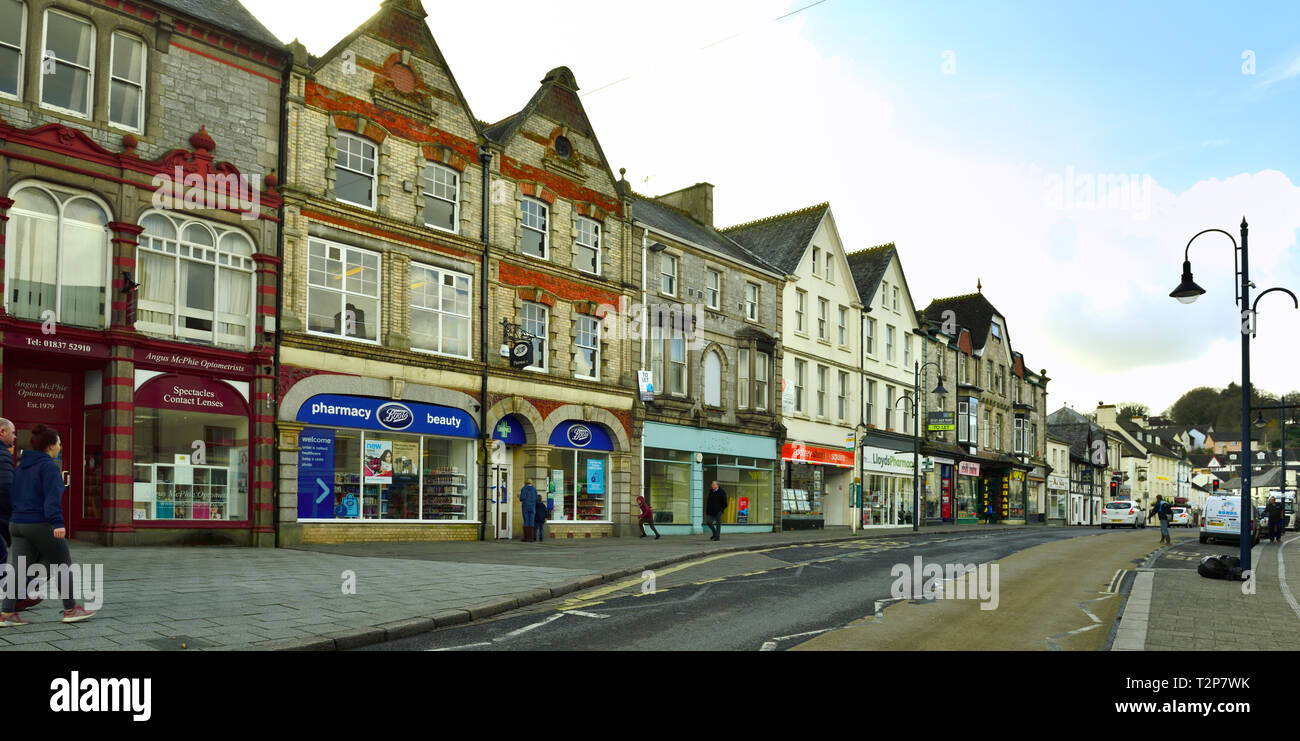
<point x="178" y="643"/>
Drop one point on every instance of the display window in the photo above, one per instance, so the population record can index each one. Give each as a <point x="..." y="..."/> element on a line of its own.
<point x="361" y="475"/>
<point x="748" y="483"/>
<point x="801" y="499"/>
<point x="668" y="476"/>
<point x="191" y="450"/>
<point x="967" y="491"/>
<point x="577" y="489"/>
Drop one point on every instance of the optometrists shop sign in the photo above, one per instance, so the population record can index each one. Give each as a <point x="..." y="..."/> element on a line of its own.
<point x="336" y="410"/>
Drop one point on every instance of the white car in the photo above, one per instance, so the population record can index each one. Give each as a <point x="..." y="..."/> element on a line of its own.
<point x="1122" y="513"/>
<point x="1182" y="517"/>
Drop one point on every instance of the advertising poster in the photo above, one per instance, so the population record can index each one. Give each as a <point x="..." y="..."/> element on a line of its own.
<point x="742" y="510"/>
<point x="378" y="461"/>
<point x="316" y="474"/>
<point x="596" y="476"/>
<point x="406" y="458"/>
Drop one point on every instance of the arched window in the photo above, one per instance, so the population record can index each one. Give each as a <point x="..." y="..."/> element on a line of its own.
<point x="56" y="256"/>
<point x="712" y="380"/>
<point x="196" y="280"/>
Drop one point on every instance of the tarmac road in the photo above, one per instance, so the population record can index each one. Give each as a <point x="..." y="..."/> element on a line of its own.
<point x="777" y="598"/>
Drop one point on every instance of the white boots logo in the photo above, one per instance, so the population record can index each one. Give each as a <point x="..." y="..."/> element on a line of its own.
<point x="946" y="581"/>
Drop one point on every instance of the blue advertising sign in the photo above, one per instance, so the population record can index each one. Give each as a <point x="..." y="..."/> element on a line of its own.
<point x="316" y="474"/>
<point x="509" y="431"/>
<point x="596" y="476"/>
<point x="335" y="410"/>
<point x="584" y="435"/>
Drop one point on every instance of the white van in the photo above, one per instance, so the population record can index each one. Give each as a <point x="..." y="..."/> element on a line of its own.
<point x="1221" y="520"/>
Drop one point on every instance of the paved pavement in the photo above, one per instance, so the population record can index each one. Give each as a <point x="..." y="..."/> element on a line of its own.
<point x="1172" y="608"/>
<point x="209" y="598"/>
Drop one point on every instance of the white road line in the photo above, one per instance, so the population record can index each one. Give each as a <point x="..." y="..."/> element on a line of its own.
<point x="457" y="648"/>
<point x="801" y="635"/>
<point x="584" y="614"/>
<point x="527" y="628"/>
<point x="768" y="646"/>
<point x="1281" y="577"/>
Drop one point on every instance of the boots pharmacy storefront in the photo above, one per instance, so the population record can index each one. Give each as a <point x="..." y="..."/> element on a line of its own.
<point x="366" y="461"/>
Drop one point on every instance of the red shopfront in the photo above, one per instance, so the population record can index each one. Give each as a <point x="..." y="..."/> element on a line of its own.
<point x="158" y="439"/>
<point x="816" y="480"/>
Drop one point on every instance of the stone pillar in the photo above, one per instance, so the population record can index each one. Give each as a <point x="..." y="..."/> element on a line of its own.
<point x="262" y="475"/>
<point x="621" y="496"/>
<point x="125" y="240"/>
<point x="537" y="467"/>
<point x="119" y="446"/>
<point x="290" y="532"/>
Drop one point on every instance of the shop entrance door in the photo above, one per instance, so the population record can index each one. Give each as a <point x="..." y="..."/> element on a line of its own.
<point x="65" y="460"/>
<point x="502" y="501"/>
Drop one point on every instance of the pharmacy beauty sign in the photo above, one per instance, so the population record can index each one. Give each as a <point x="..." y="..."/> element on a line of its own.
<point x="336" y="410"/>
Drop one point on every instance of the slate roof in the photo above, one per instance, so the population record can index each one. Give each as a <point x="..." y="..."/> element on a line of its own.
<point x="229" y="15"/>
<point x="973" y="311"/>
<point x="868" y="267"/>
<point x="1159" y="447"/>
<point x="678" y="223"/>
<point x="780" y="240"/>
<point x="1076" y="434"/>
<point x="1199" y="460"/>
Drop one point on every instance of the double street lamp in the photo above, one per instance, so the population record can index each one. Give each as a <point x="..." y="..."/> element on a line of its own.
<point x="916" y="435"/>
<point x="1187" y="292"/>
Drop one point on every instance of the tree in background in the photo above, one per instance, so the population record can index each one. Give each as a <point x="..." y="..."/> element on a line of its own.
<point x="1200" y="406"/>
<point x="1131" y="409"/>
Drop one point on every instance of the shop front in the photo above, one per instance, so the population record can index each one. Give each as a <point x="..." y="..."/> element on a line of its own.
<point x="886" y="487"/>
<point x="939" y="478"/>
<point x="680" y="464"/>
<point x="817" y="483"/>
<point x="1058" y="499"/>
<point x="969" y="492"/>
<point x="1036" y="482"/>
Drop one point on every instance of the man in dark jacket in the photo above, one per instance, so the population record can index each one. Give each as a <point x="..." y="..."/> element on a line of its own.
<point x="528" y="508"/>
<point x="7" y="435"/>
<point x="1165" y="512"/>
<point x="1276" y="519"/>
<point x="714" y="504"/>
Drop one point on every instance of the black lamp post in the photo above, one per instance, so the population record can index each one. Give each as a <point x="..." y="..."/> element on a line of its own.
<point x="916" y="436"/>
<point x="1187" y="292"/>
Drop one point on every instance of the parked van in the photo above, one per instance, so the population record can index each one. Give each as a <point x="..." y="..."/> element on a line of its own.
<point x="1221" y="520"/>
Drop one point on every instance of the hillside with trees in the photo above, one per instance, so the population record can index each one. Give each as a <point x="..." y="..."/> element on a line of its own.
<point x="1222" y="409"/>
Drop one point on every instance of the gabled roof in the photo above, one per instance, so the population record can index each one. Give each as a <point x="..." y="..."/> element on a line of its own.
<point x="1065" y="415"/>
<point x="868" y="267"/>
<point x="228" y="15"/>
<point x="1077" y="435"/>
<point x="781" y="240"/>
<point x="973" y="311"/>
<point x="679" y="224"/>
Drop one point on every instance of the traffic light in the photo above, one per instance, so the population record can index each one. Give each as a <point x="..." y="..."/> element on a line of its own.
<point x="1216" y="485"/>
<point x="1114" y="490"/>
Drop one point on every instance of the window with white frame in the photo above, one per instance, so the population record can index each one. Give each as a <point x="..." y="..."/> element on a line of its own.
<point x="988" y="431"/>
<point x="800" y="379"/>
<point x="762" y="367"/>
<point x="667" y="274"/>
<point x="889" y="407"/>
<point x="889" y="342"/>
<point x="963" y="420"/>
<point x="816" y="259"/>
<point x="742" y="378"/>
<point x="997" y="330"/>
<point x="712" y="288"/>
<point x="823" y="310"/>
<point x="844" y="326"/>
<point x="712" y="372"/>
<point x="997" y="432"/>
<point x="868" y="404"/>
<point x="354" y="169"/>
<point x="70" y="44"/>
<point x="440" y="311"/>
<point x="800" y="309"/>
<point x="586" y="357"/>
<point x="895" y="298"/>
<point x="535" y="237"/>
<point x="907" y="351"/>
<point x="884" y="294"/>
<point x="126" y="87"/>
<point x="586" y="248"/>
<point x="907" y="410"/>
<point x="842" y="407"/>
<point x="1021" y="440"/>
<point x="821" y="390"/>
<point x="870" y="336"/>
<point x="196" y="281"/>
<point x="342" y="291"/>
<point x="441" y="197"/>
<point x="57" y="253"/>
<point x="751" y="301"/>
<point x="830" y="267"/>
<point x="677" y="366"/>
<point x="534" y="319"/>
<point x="13" y="38"/>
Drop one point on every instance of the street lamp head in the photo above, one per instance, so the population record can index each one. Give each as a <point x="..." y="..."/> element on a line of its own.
<point x="1187" y="291"/>
<point x="1259" y="420"/>
<point x="940" y="389"/>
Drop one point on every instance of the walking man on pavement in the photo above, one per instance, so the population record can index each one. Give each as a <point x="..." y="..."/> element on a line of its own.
<point x="1276" y="519"/>
<point x="7" y="435"/>
<point x="713" y="507"/>
<point x="528" y="508"/>
<point x="1162" y="510"/>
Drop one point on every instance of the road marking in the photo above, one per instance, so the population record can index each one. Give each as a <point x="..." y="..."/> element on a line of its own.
<point x="1115" y="581"/>
<point x="584" y="614"/>
<point x="1281" y="577"/>
<point x="636" y="581"/>
<point x="457" y="648"/>
<point x="527" y="628"/>
<point x="768" y="646"/>
<point x="1053" y="641"/>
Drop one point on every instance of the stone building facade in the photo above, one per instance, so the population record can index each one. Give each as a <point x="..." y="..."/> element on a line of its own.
<point x="141" y="268"/>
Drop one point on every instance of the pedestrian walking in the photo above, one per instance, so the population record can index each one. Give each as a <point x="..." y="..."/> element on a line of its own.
<point x="1162" y="510"/>
<point x="540" y="516"/>
<point x="647" y="517"/>
<point x="713" y="507"/>
<point x="1276" y="519"/>
<point x="528" y="508"/>
<point x="36" y="523"/>
<point x="8" y="437"/>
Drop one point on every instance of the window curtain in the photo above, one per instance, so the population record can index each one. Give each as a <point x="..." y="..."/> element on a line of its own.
<point x="157" y="289"/>
<point x="32" y="259"/>
<point x="234" y="305"/>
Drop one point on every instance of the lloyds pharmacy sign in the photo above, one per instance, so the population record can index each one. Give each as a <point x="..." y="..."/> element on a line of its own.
<point x="886" y="461"/>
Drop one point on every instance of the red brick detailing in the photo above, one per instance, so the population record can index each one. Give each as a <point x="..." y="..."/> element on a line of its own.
<point x="332" y="101"/>
<point x="290" y="375"/>
<point x="590" y="211"/>
<point x="536" y="295"/>
<point x="586" y="307"/>
<point x="336" y="221"/>
<point x="444" y="155"/>
<point x="544" y="407"/>
<point x="539" y="191"/>
<point x="361" y="127"/>
<point x="520" y="172"/>
<point x="513" y="275"/>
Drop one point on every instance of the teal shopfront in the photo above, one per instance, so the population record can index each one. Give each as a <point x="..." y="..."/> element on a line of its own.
<point x="681" y="462"/>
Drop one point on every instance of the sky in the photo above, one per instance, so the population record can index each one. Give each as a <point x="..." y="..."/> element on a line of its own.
<point x="1061" y="155"/>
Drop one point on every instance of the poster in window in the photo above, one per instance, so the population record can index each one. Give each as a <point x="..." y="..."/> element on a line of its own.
<point x="379" y="461"/>
<point x="406" y="458"/>
<point x="596" y="476"/>
<point x="742" y="510"/>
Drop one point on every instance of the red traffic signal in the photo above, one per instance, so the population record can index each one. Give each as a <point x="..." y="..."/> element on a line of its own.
<point x="1216" y="484"/>
<point x="1114" y="489"/>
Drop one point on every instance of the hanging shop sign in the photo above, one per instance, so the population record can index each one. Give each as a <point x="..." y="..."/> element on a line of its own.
<point x="584" y="435"/>
<point x="941" y="421"/>
<point x="335" y="410"/>
<point x="968" y="468"/>
<point x="521" y="354"/>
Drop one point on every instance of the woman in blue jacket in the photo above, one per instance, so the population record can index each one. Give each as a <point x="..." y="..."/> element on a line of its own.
<point x="36" y="523"/>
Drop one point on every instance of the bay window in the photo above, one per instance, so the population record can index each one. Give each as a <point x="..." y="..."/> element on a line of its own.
<point x="742" y="378"/>
<point x="440" y="311"/>
<point x="342" y="291"/>
<point x="196" y="281"/>
<point x="57" y="257"/>
<point x="762" y="364"/>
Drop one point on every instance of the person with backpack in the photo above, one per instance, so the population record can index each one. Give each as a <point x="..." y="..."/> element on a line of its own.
<point x="1165" y="512"/>
<point x="713" y="507"/>
<point x="647" y="517"/>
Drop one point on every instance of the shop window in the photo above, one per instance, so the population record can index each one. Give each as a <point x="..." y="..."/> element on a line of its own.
<point x="354" y="168"/>
<point x="56" y="257"/>
<point x="712" y="380"/>
<point x="748" y="483"/>
<point x="668" y="476"/>
<point x="196" y="281"/>
<point x="13" y="36"/>
<point x="190" y="463"/>
<point x="742" y="378"/>
<point x="71" y="43"/>
<point x="582" y="496"/>
<point x="441" y="197"/>
<point x="801" y="498"/>
<point x="586" y="249"/>
<point x="126" y="87"/>
<point x="440" y="311"/>
<point x="586" y="356"/>
<point x="535" y="218"/>
<point x="535" y="320"/>
<point x="342" y="291"/>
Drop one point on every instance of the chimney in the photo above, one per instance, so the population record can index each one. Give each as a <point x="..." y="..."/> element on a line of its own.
<point x="696" y="200"/>
<point x="1106" y="416"/>
<point x="1139" y="421"/>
